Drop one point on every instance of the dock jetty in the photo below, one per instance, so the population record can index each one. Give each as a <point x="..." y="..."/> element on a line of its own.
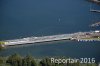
<point x="95" y="24"/>
<point x="95" y="1"/>
<point x="93" y="10"/>
<point x="79" y="36"/>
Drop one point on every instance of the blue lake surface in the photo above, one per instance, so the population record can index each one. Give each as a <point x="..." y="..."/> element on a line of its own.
<point x="24" y="18"/>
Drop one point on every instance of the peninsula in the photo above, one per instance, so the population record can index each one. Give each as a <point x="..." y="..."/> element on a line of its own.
<point x="79" y="36"/>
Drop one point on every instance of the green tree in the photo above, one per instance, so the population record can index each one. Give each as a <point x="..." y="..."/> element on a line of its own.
<point x="24" y="63"/>
<point x="46" y="62"/>
<point x="1" y="60"/>
<point x="15" y="60"/>
<point x="33" y="63"/>
<point x="29" y="61"/>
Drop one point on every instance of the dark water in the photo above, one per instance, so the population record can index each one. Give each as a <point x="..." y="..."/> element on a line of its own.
<point x="22" y="18"/>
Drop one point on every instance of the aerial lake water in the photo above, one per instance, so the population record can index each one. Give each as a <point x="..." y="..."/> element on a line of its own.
<point x="25" y="18"/>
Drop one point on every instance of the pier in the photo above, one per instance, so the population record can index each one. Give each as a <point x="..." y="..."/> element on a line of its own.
<point x="95" y="1"/>
<point x="79" y="36"/>
<point x="92" y="10"/>
<point x="95" y="24"/>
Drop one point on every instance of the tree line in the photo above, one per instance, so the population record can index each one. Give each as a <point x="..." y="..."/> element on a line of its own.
<point x="17" y="60"/>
